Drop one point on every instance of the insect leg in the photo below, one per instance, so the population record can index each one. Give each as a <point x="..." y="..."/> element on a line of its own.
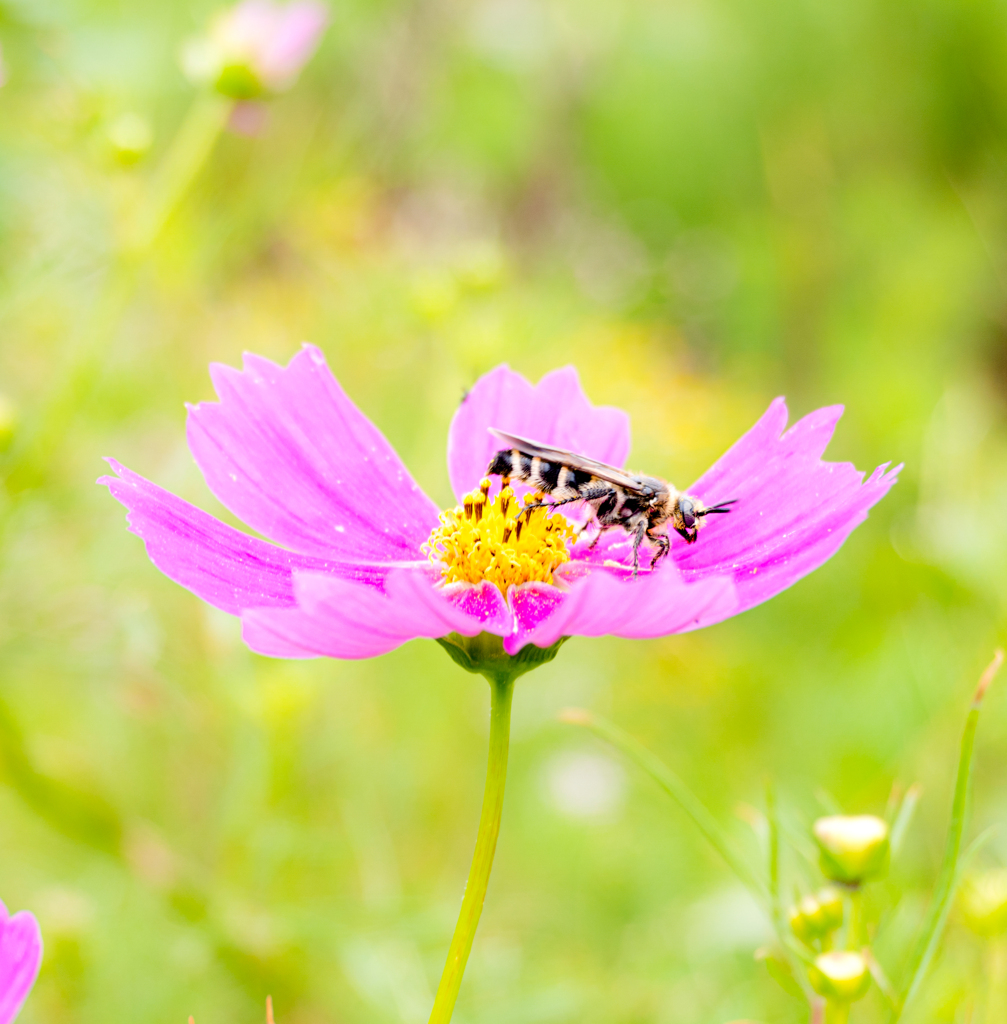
<point x="547" y="504"/>
<point x="641" y="532"/>
<point x="589" y="493"/>
<point x="663" y="547"/>
<point x="602" y="528"/>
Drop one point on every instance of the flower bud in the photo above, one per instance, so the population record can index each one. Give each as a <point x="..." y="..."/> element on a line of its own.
<point x="841" y="976"/>
<point x="830" y="908"/>
<point x="803" y="918"/>
<point x="853" y="848"/>
<point x="984" y="903"/>
<point x="816" y="916"/>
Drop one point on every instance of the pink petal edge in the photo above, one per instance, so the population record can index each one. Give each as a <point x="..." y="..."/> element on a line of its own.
<point x="288" y="453"/>
<point x="221" y="565"/>
<point x="340" y="619"/>
<point x="656" y="604"/>
<point x="794" y="511"/>
<point x="299" y="31"/>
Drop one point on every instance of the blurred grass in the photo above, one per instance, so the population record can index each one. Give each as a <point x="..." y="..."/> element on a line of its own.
<point x="701" y="204"/>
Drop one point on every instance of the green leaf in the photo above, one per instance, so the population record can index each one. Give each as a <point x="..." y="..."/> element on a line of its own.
<point x="710" y="827"/>
<point x="904" y="817"/>
<point x="947" y="880"/>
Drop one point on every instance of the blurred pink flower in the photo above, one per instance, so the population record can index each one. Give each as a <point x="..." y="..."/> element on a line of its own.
<point x="20" y="958"/>
<point x="257" y="46"/>
<point x="287" y="452"/>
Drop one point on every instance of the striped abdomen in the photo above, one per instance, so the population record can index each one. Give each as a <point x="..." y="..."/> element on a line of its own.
<point x="542" y="474"/>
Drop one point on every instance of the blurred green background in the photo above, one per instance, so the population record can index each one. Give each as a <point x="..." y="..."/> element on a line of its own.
<point x="702" y="204"/>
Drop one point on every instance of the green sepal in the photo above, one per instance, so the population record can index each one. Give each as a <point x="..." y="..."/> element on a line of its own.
<point x="484" y="655"/>
<point x="239" y="82"/>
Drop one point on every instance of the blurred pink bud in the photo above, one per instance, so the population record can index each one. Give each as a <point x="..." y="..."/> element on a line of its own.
<point x="20" y="958"/>
<point x="3" y="70"/>
<point x="257" y="46"/>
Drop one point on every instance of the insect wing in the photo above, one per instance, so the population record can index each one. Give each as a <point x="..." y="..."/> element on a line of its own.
<point x="571" y="459"/>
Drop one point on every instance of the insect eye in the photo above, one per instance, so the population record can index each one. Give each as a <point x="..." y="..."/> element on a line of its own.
<point x="687" y="508"/>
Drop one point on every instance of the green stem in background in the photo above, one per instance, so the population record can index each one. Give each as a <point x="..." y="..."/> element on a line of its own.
<point x="185" y="157"/>
<point x="501" y="690"/>
<point x="677" y="790"/>
<point x="836" y="1013"/>
<point x="855" y="936"/>
<point x="795" y="952"/>
<point x="940" y="907"/>
<point x="773" y="822"/>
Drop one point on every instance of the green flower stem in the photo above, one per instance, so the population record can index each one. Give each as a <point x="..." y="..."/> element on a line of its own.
<point x="836" y="1013"/>
<point x="855" y="939"/>
<point x="501" y="690"/>
<point x="185" y="158"/>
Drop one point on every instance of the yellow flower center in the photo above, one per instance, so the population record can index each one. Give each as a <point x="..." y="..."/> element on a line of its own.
<point x="484" y="540"/>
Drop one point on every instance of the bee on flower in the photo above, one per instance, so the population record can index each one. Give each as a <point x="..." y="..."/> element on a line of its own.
<point x="369" y="562"/>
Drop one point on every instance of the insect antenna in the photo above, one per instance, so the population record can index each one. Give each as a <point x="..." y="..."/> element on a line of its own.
<point x="718" y="509"/>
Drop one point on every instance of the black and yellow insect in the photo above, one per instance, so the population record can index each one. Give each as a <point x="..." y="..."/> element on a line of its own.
<point x="638" y="504"/>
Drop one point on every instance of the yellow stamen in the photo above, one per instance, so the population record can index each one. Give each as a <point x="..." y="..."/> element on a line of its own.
<point x="483" y="540"/>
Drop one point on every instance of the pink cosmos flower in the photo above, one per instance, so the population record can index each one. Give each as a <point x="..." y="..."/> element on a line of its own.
<point x="368" y="562"/>
<point x="20" y="959"/>
<point x="257" y="46"/>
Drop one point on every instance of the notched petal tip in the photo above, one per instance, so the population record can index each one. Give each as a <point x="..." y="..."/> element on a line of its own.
<point x="315" y="354"/>
<point x="794" y="510"/>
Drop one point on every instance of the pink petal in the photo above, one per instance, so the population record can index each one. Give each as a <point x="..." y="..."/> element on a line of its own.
<point x="483" y="602"/>
<point x="793" y="513"/>
<point x="20" y="959"/>
<point x="655" y="604"/>
<point x="286" y="451"/>
<point x="223" y="566"/>
<point x="299" y="31"/>
<point x="555" y="411"/>
<point x="340" y="619"/>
